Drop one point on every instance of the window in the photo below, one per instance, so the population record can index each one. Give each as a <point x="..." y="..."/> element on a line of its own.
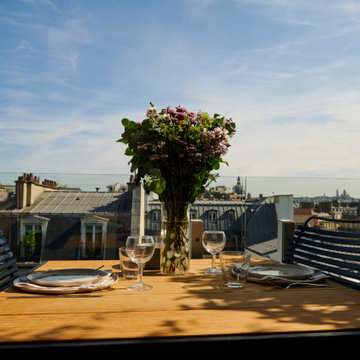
<point x="212" y="216"/>
<point x="32" y="238"/>
<point x="231" y="216"/>
<point x="93" y="238"/>
<point x="156" y="220"/>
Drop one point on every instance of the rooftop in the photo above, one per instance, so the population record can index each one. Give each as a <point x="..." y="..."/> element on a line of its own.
<point x="75" y="202"/>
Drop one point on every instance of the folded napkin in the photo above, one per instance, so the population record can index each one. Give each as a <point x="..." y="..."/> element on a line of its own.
<point x="281" y="281"/>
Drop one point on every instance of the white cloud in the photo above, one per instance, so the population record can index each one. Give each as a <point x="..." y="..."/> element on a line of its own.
<point x="64" y="41"/>
<point x="305" y="134"/>
<point x="294" y="95"/>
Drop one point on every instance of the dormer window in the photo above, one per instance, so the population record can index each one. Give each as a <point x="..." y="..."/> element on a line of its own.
<point x="212" y="216"/>
<point x="231" y="216"/>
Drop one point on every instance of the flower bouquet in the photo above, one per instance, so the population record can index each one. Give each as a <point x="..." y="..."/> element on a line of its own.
<point x="173" y="152"/>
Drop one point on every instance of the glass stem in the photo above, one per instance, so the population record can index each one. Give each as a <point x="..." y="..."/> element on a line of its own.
<point x="140" y="273"/>
<point x="213" y="261"/>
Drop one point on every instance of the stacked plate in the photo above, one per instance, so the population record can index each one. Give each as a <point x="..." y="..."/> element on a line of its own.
<point x="283" y="274"/>
<point x="66" y="281"/>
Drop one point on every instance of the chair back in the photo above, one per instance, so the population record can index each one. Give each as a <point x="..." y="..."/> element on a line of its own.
<point x="333" y="249"/>
<point x="8" y="267"/>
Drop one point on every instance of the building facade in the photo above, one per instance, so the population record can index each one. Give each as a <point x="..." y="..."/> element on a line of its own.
<point x="43" y="221"/>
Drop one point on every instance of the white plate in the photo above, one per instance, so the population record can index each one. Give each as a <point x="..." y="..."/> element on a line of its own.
<point x="288" y="271"/>
<point x="24" y="284"/>
<point x="67" y="277"/>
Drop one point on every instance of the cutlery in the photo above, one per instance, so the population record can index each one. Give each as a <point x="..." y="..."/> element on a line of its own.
<point x="306" y="283"/>
<point x="47" y="296"/>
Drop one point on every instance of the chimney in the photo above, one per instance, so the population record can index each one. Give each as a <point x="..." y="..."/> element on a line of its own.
<point x="131" y="184"/>
<point x="21" y="192"/>
<point x="28" y="188"/>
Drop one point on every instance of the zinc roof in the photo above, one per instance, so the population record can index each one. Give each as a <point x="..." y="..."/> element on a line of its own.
<point x="78" y="202"/>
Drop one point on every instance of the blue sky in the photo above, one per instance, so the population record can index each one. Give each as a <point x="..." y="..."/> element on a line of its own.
<point x="286" y="71"/>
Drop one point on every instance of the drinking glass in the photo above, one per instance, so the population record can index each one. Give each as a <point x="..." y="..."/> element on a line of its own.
<point x="235" y="267"/>
<point x="213" y="241"/>
<point x="128" y="267"/>
<point x="140" y="249"/>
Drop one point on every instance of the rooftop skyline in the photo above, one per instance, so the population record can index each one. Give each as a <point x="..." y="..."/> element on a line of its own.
<point x="287" y="72"/>
<point x="266" y="186"/>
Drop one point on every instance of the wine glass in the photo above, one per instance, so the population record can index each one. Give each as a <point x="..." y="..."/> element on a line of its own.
<point x="213" y="241"/>
<point x="140" y="249"/>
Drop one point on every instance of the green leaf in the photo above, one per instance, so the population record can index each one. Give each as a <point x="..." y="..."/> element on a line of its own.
<point x="216" y="166"/>
<point x="129" y="124"/>
<point x="153" y="181"/>
<point x="125" y="122"/>
<point x="129" y="152"/>
<point x="146" y="125"/>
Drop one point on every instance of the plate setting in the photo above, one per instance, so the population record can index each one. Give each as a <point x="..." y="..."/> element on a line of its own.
<point x="284" y="274"/>
<point x="66" y="281"/>
<point x="67" y="277"/>
<point x="280" y="270"/>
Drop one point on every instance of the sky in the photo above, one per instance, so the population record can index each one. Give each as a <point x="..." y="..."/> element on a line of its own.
<point x="286" y="71"/>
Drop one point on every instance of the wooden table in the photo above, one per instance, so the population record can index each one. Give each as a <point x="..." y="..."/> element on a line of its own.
<point x="191" y="309"/>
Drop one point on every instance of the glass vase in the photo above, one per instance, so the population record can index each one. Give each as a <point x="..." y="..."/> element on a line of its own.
<point x="175" y="238"/>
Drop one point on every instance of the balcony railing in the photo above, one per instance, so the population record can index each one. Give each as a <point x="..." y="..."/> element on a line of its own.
<point x="81" y="216"/>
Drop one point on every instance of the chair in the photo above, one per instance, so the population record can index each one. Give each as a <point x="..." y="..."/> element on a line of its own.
<point x="335" y="252"/>
<point x="8" y="266"/>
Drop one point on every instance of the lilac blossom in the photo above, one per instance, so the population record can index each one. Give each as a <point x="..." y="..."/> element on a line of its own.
<point x="178" y="142"/>
<point x="180" y="115"/>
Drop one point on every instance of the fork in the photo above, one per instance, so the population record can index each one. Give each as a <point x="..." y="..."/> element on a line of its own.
<point x="305" y="283"/>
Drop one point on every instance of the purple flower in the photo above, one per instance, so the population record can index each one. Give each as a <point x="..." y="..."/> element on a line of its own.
<point x="176" y="139"/>
<point x="154" y="157"/>
<point x="180" y="115"/>
<point x="209" y="133"/>
<point x="181" y="109"/>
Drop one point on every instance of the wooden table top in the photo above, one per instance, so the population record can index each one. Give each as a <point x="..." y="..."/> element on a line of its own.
<point x="187" y="306"/>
